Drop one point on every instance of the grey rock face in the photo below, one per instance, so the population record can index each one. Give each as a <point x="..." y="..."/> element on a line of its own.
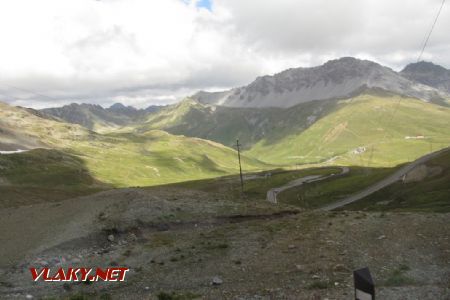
<point x="429" y="74"/>
<point x="91" y="115"/>
<point x="335" y="79"/>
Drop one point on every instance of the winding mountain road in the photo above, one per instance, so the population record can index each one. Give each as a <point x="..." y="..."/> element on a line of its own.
<point x="272" y="193"/>
<point x="385" y="182"/>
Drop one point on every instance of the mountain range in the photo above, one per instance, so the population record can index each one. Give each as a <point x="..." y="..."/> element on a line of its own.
<point x="339" y="78"/>
<point x="347" y="111"/>
<point x="336" y="79"/>
<point x="95" y="117"/>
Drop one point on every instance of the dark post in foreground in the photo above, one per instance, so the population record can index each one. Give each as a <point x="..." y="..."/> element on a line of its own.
<point x="364" y="286"/>
<point x="240" y="168"/>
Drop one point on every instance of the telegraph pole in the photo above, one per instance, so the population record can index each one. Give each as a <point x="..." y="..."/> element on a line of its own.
<point x="240" y="167"/>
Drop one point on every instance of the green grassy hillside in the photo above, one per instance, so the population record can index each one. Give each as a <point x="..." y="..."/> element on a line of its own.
<point x="44" y="168"/>
<point x="25" y="128"/>
<point x="255" y="188"/>
<point x="226" y="124"/>
<point x="157" y="157"/>
<point x="373" y="129"/>
<point x="118" y="159"/>
<point x="318" y="194"/>
<point x="366" y="130"/>
<point x="430" y="193"/>
<point x="43" y="175"/>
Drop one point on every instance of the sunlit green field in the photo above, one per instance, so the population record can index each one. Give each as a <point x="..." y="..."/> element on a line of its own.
<point x="115" y="159"/>
<point x="385" y="131"/>
<point x="157" y="157"/>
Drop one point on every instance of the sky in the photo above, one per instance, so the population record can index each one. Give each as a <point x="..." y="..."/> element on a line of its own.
<point x="146" y="52"/>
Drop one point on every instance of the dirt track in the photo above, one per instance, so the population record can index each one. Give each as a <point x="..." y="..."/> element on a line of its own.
<point x="177" y="240"/>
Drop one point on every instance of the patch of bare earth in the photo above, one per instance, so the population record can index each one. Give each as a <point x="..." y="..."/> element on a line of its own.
<point x="210" y="246"/>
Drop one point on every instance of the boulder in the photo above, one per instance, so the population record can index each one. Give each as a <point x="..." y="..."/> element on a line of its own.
<point x="111" y="238"/>
<point x="216" y="280"/>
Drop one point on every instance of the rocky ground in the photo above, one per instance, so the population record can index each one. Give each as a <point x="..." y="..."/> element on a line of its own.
<point x="186" y="244"/>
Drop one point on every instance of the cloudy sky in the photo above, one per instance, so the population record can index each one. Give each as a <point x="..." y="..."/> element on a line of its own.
<point x="143" y="52"/>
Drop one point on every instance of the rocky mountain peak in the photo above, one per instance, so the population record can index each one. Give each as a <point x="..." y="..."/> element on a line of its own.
<point x="335" y="79"/>
<point x="424" y="66"/>
<point x="117" y="106"/>
<point x="122" y="109"/>
<point x="429" y="74"/>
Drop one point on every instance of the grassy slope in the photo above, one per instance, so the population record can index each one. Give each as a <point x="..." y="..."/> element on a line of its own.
<point x="43" y="175"/>
<point x="123" y="159"/>
<point x="430" y="194"/>
<point x="157" y="157"/>
<point x="256" y="188"/>
<point x="380" y="124"/>
<point x="25" y="128"/>
<point x="44" y="168"/>
<point x="226" y="124"/>
<point x="220" y="124"/>
<point x="318" y="194"/>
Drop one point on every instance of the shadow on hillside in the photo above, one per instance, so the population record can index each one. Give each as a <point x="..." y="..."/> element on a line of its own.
<point x="44" y="175"/>
<point x="267" y="125"/>
<point x="297" y="119"/>
<point x="251" y="125"/>
<point x="428" y="194"/>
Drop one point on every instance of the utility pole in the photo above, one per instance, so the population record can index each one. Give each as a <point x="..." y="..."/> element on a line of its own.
<point x="240" y="167"/>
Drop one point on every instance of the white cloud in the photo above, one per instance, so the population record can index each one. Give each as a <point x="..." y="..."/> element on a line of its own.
<point x="144" y="51"/>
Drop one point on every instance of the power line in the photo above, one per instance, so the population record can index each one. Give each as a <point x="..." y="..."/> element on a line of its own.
<point x="431" y="30"/>
<point x="397" y="105"/>
<point x="27" y="91"/>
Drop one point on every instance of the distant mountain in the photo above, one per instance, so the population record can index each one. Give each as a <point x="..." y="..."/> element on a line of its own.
<point x="339" y="78"/>
<point x="226" y="124"/>
<point x="429" y="74"/>
<point x="95" y="117"/>
<point x="119" y="108"/>
<point x="154" y="108"/>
